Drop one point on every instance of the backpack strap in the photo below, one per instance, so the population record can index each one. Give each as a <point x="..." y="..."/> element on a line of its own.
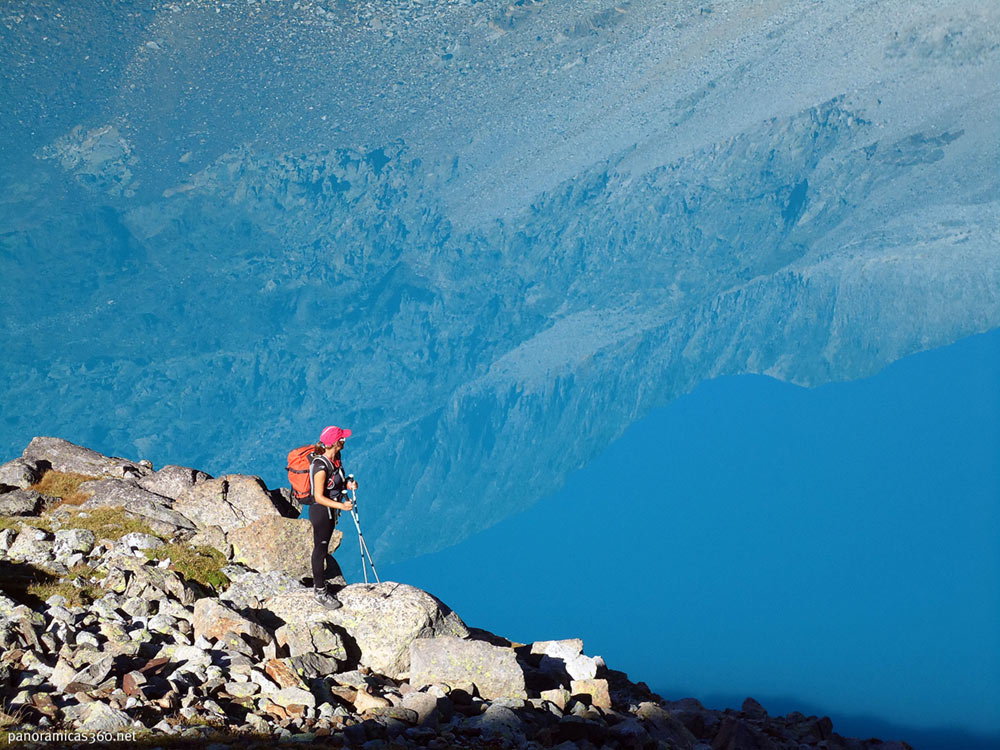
<point x="329" y="472"/>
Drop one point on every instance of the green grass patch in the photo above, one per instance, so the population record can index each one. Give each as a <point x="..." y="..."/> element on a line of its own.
<point x="201" y="564"/>
<point x="8" y="719"/>
<point x="75" y="597"/>
<point x="14" y="522"/>
<point x="63" y="484"/>
<point x="21" y="581"/>
<point x="31" y="585"/>
<point x="84" y="573"/>
<point x="105" y="522"/>
<point x="36" y="522"/>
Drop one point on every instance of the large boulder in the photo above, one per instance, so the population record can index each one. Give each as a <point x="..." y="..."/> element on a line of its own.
<point x="565" y="659"/>
<point x="152" y="509"/>
<point x="117" y="493"/>
<point x="172" y="481"/>
<point x="279" y="544"/>
<point x="596" y="691"/>
<point x="311" y="666"/>
<point x="136" y="540"/>
<point x="230" y="502"/>
<point x="21" y="503"/>
<point x="567" y="645"/>
<point x="250" y="589"/>
<point x="60" y="455"/>
<point x="311" y="637"/>
<point x="73" y="541"/>
<point x="379" y="620"/>
<point x="672" y="727"/>
<point x="213" y="619"/>
<point x="445" y="659"/>
<point x="31" y="546"/>
<point x="159" y="518"/>
<point x="19" y="473"/>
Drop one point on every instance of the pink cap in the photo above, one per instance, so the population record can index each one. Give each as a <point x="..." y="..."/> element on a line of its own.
<point x="332" y="435"/>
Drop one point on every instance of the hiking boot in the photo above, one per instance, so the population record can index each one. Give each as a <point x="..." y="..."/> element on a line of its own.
<point x="325" y="599"/>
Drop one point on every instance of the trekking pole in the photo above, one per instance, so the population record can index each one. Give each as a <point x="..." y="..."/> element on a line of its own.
<point x="361" y="544"/>
<point x="361" y="540"/>
<point x="357" y="525"/>
<point x="370" y="561"/>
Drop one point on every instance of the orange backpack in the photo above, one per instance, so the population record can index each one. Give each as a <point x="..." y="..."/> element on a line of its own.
<point x="298" y="473"/>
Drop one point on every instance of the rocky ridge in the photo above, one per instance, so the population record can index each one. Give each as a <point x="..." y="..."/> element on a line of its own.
<point x="251" y="657"/>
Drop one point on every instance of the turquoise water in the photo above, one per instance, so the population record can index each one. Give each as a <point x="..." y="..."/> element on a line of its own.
<point x="834" y="550"/>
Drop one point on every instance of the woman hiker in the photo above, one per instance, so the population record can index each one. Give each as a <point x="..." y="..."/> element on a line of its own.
<point x="328" y="486"/>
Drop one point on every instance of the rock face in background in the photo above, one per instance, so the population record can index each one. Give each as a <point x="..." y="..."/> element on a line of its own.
<point x="522" y="219"/>
<point x="157" y="652"/>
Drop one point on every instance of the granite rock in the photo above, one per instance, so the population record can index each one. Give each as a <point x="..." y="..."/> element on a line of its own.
<point x="62" y="455"/>
<point x="493" y="670"/>
<point x="229" y="502"/>
<point x="276" y="543"/>
<point x="172" y="481"/>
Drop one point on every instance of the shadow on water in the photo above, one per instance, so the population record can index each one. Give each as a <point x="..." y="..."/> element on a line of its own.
<point x="855" y="725"/>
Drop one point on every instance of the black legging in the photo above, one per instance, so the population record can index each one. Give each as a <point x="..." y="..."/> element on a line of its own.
<point x="323" y="526"/>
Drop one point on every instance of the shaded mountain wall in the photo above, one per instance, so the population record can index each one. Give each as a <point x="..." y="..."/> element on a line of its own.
<point x="486" y="237"/>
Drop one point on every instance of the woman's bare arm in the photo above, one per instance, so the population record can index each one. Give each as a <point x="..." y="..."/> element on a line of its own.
<point x="319" y="485"/>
